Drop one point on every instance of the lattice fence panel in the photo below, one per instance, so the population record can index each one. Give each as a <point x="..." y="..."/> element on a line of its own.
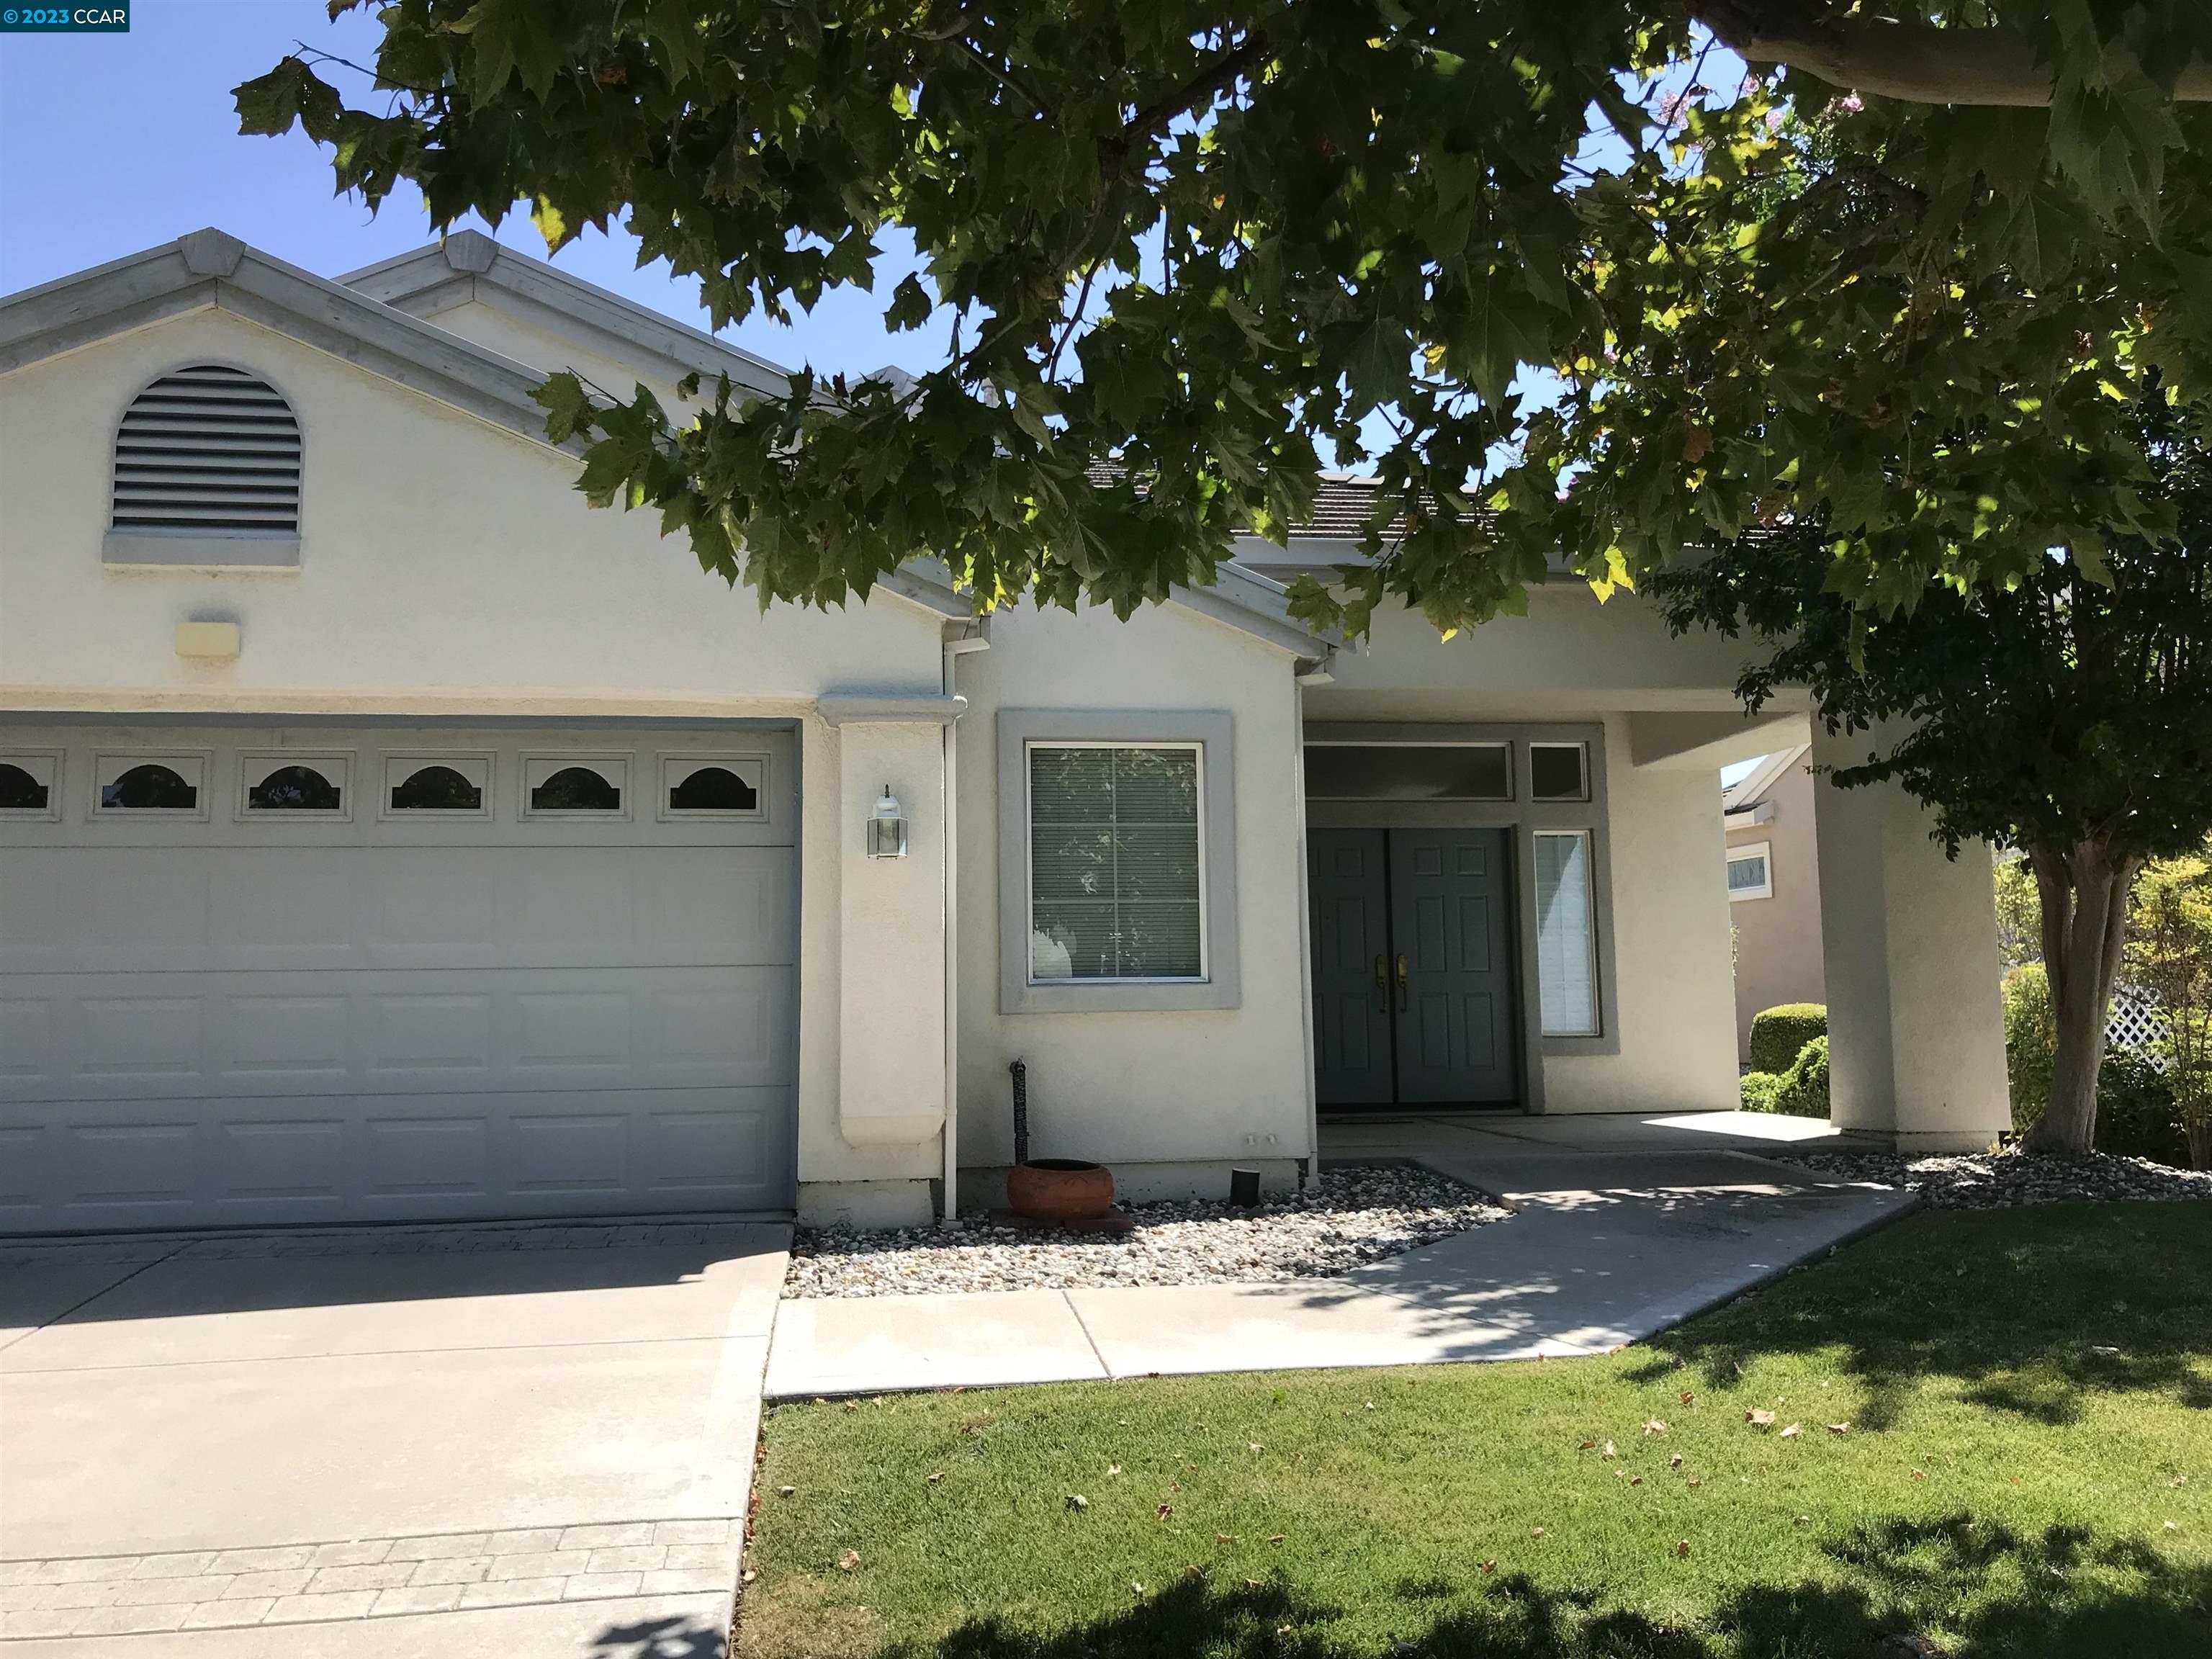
<point x="2136" y="1023"/>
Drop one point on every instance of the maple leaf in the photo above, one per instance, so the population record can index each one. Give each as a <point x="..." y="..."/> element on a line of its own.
<point x="1759" y="1417"/>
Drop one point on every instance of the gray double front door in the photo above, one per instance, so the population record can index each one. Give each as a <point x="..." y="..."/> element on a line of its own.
<point x="1412" y="967"/>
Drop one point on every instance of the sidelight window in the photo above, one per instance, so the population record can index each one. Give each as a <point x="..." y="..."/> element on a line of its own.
<point x="1566" y="934"/>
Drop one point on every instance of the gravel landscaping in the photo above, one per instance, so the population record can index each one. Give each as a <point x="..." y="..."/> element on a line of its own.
<point x="1989" y="1181"/>
<point x="1343" y="1219"/>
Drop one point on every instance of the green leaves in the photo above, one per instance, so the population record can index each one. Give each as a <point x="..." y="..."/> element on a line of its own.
<point x="1186" y="268"/>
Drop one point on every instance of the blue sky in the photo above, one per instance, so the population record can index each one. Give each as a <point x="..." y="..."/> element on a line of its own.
<point x="110" y="143"/>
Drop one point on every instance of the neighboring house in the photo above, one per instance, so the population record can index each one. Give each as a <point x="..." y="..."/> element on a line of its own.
<point x="386" y="836"/>
<point x="1774" y="887"/>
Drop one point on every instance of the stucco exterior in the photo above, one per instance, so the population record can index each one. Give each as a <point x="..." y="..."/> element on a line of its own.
<point x="446" y="571"/>
<point x="1777" y="937"/>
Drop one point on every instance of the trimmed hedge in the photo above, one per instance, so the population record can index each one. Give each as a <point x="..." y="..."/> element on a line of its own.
<point x="1779" y="1035"/>
<point x="2031" y="1039"/>
<point x="1804" y="1089"/>
<point x="1757" y="1091"/>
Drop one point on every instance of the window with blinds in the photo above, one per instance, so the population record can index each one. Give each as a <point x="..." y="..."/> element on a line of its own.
<point x="1566" y="934"/>
<point x="1115" y="877"/>
<point x="208" y="450"/>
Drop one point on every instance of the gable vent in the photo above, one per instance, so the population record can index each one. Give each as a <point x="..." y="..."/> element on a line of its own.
<point x="208" y="450"/>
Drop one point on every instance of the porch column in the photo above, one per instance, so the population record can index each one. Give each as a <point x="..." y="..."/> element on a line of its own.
<point x="1916" y="1021"/>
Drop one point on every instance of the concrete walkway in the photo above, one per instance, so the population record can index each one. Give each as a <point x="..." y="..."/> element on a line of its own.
<point x="1624" y="1227"/>
<point x="413" y="1443"/>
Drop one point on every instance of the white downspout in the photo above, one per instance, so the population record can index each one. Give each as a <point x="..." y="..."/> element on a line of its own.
<point x="974" y="636"/>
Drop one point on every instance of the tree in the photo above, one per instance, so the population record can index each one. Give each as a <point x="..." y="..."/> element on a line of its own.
<point x="2068" y="714"/>
<point x="1190" y="253"/>
<point x="2169" y="954"/>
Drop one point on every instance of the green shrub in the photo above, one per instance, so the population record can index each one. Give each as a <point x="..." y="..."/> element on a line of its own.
<point x="2135" y="1113"/>
<point x="1758" y="1091"/>
<point x="1779" y="1035"/>
<point x="2031" y="1039"/>
<point x="1802" y="1090"/>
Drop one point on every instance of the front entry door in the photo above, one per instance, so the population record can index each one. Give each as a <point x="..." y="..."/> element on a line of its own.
<point x="1412" y="967"/>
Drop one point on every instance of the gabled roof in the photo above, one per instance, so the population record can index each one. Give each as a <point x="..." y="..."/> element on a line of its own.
<point x="470" y="265"/>
<point x="1747" y="791"/>
<point x="209" y="270"/>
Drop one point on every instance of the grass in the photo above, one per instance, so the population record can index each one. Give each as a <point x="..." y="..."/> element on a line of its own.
<point x="2027" y="1470"/>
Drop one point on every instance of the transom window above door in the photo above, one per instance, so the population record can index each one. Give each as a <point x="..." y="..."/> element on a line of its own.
<point x="1409" y="771"/>
<point x="1117" y="856"/>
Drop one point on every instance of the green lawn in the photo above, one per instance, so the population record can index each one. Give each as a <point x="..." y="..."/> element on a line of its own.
<point x="2028" y="1470"/>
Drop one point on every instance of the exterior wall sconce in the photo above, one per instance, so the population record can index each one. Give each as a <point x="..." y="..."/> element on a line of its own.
<point x="887" y="828"/>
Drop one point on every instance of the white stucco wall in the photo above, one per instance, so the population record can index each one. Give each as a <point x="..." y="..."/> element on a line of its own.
<point x="1131" y="1088"/>
<point x="1675" y="1000"/>
<point x="447" y="567"/>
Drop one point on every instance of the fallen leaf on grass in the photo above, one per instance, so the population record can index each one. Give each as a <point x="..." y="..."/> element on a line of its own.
<point x="1681" y="1549"/>
<point x="1920" y="1474"/>
<point x="1078" y="1501"/>
<point x="1840" y="1428"/>
<point x="1792" y="1432"/>
<point x="1252" y="1583"/>
<point x="2096" y="1348"/>
<point x="1112" y="1468"/>
<point x="749" y="1575"/>
<point x="937" y="1477"/>
<point x="1688" y="1396"/>
<point x="1653" y="1425"/>
<point x="2173" y="1526"/>
<point x="2180" y="1479"/>
<point x="1278" y="1538"/>
<point x="1637" y="1481"/>
<point x="1489" y="1567"/>
<point x="1162" y="1512"/>
<point x="785" y="1492"/>
<point x="1587" y="1445"/>
<point x="1609" y="1452"/>
<point x="849" y="1560"/>
<point x="1675" y="1462"/>
<point x="1759" y="1417"/>
<point x="1225" y="1538"/>
<point x="1253" y="1445"/>
<point x="1535" y="1532"/>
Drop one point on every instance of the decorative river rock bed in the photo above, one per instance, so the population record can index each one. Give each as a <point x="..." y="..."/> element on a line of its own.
<point x="1987" y="1180"/>
<point x="1343" y="1219"/>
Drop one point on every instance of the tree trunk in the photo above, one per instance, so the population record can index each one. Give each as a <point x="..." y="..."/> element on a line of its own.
<point x="2084" y="894"/>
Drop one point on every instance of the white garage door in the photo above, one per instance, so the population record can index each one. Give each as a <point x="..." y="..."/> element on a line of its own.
<point x="336" y="974"/>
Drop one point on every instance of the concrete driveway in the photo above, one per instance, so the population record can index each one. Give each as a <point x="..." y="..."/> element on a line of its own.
<point x="519" y="1442"/>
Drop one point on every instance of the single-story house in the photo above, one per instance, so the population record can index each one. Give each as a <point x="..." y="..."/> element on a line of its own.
<point x="386" y="836"/>
<point x="1774" y="886"/>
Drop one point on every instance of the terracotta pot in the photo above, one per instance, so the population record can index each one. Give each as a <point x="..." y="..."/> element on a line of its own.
<point x="1060" y="1189"/>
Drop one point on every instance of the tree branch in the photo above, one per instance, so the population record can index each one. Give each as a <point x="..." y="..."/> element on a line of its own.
<point x="1192" y="95"/>
<point x="1913" y="62"/>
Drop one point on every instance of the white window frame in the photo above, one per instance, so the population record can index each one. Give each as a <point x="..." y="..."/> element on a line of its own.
<point x="195" y="766"/>
<point x="478" y="766"/>
<point x="1597" y="1026"/>
<point x="1197" y="751"/>
<point x="45" y="766"/>
<point x="677" y="765"/>
<point x="614" y="765"/>
<point x="1212" y="733"/>
<point x="254" y="766"/>
<point x="1744" y="853"/>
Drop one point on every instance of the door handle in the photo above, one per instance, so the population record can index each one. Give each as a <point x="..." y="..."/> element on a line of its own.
<point x="1382" y="976"/>
<point x="1401" y="982"/>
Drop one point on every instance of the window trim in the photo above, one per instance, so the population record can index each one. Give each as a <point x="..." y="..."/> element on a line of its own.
<point x="1212" y="733"/>
<point x="406" y="762"/>
<point x="203" y="784"/>
<point x="1743" y="853"/>
<point x="55" y="780"/>
<point x="624" y="781"/>
<point x="1587" y="836"/>
<point x="1581" y="798"/>
<point x="685" y="760"/>
<point x="254" y="766"/>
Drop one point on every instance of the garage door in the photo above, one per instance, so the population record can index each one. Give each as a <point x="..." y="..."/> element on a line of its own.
<point x="335" y="973"/>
